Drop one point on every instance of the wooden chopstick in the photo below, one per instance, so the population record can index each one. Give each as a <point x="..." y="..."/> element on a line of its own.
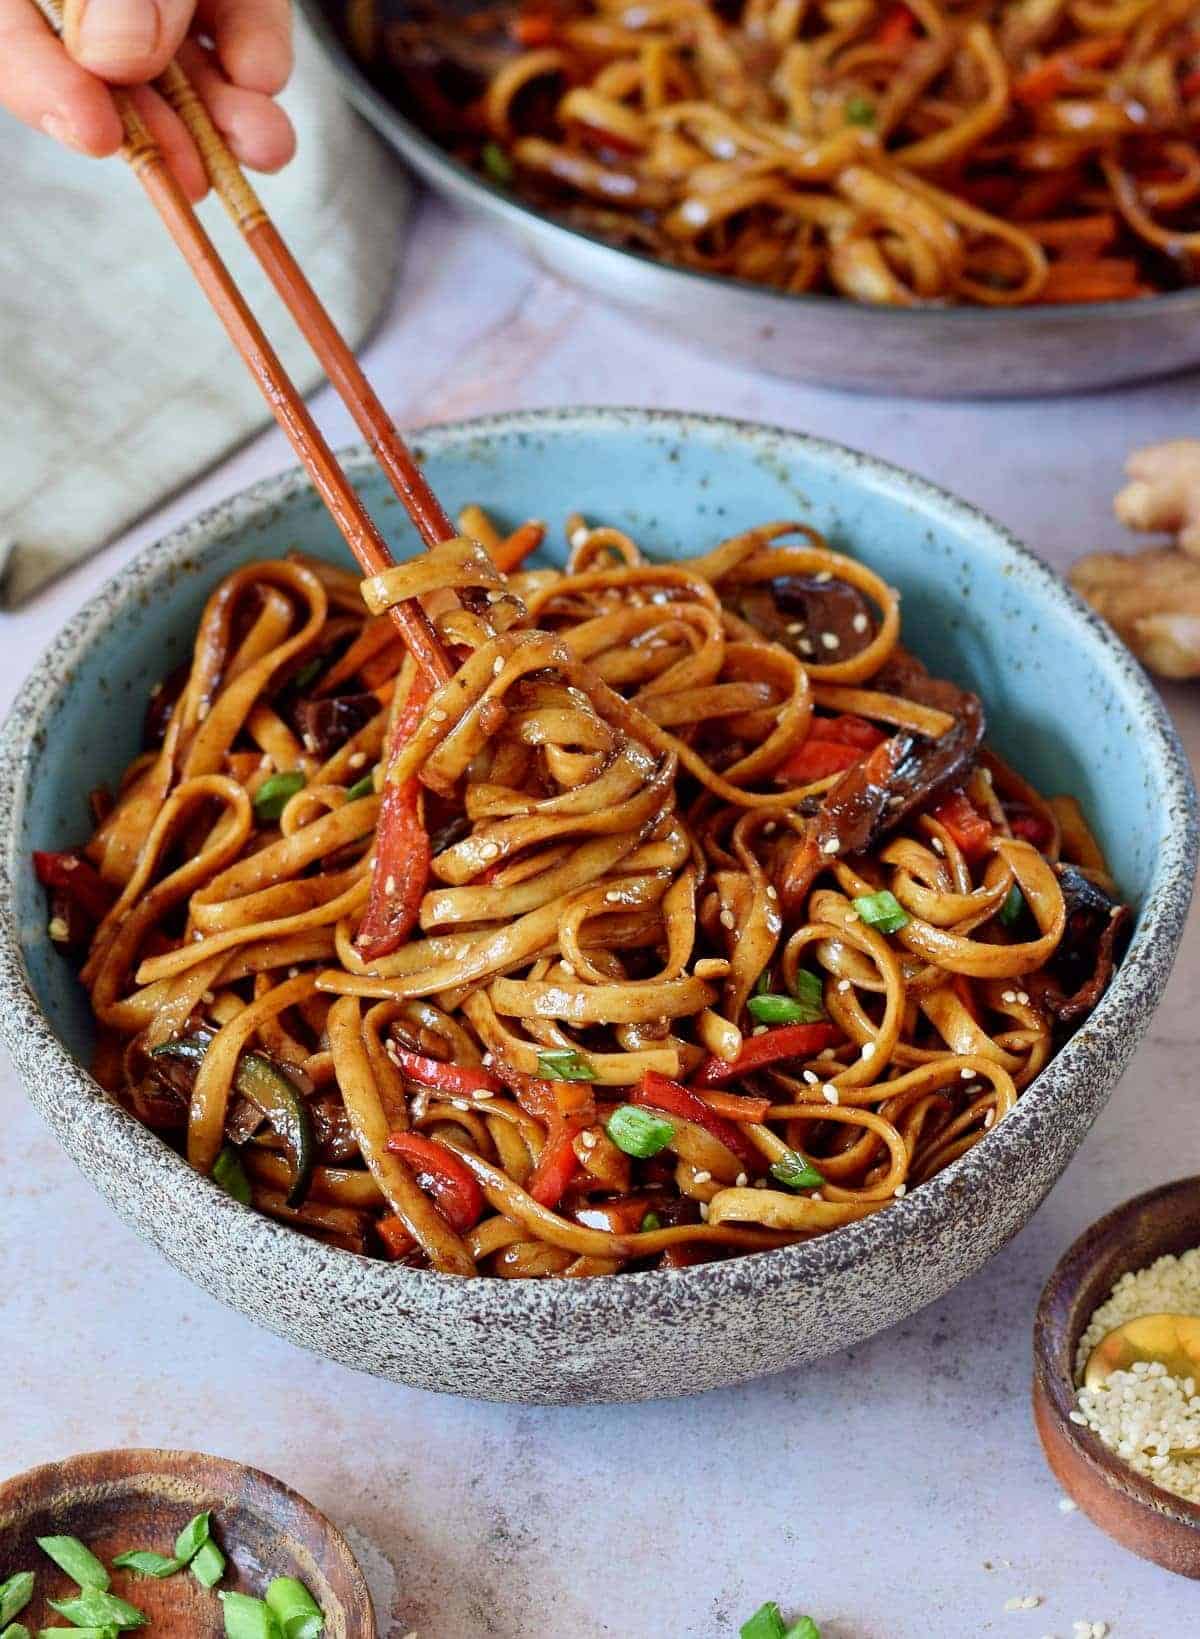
<point x="344" y="371"/>
<point x="358" y="529"/>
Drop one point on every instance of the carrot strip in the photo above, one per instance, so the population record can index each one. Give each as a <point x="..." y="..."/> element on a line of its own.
<point x="512" y="552"/>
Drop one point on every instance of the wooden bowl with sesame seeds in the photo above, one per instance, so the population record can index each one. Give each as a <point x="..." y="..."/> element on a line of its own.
<point x="1141" y="1516"/>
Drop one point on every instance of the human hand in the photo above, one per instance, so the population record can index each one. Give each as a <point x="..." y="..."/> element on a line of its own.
<point x="237" y="53"/>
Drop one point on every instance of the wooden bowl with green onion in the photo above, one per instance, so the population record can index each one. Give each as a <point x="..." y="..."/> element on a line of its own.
<point x="145" y="1510"/>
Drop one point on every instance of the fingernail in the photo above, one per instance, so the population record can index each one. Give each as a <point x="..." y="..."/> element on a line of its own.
<point x="117" y="35"/>
<point x="61" y="129"/>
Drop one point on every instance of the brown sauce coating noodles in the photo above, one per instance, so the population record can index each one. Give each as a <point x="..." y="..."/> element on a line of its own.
<point x="722" y="925"/>
<point x="996" y="152"/>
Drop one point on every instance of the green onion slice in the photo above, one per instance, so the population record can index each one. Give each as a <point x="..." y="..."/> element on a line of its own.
<point x="208" y="1564"/>
<point x="15" y="1594"/>
<point x="1014" y="904"/>
<point x="76" y="1559"/>
<point x="639" y="1132"/>
<point x="651" y="1221"/>
<point x="274" y="794"/>
<point x="307" y="672"/>
<point x="147" y="1563"/>
<point x="362" y="788"/>
<point x="496" y="163"/>
<point x="247" y="1618"/>
<point x="297" y="1612"/>
<point x="859" y="111"/>
<point x="882" y="910"/>
<point x="795" y="1172"/>
<point x="766" y="1623"/>
<point x="564" y="1064"/>
<point x="810" y="994"/>
<point x="231" y="1175"/>
<point x="778" y="1010"/>
<point x="18" y="1630"/>
<point x="193" y="1536"/>
<point x="805" y="1628"/>
<point x="108" y="1632"/>
<point x="94" y="1608"/>
<point x="762" y="985"/>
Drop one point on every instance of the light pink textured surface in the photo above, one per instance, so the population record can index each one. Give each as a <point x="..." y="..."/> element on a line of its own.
<point x="896" y="1492"/>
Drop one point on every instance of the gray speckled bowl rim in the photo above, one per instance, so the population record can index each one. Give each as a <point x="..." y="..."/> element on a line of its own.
<point x="1130" y="1000"/>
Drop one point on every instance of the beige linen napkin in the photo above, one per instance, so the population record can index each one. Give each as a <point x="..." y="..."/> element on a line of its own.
<point x="117" y="384"/>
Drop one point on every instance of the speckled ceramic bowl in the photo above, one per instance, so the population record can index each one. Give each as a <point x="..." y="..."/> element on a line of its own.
<point x="1066" y="704"/>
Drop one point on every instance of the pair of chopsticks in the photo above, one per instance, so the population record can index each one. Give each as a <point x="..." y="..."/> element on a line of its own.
<point x="358" y="528"/>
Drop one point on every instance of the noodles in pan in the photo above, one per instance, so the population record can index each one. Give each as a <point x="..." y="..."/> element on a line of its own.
<point x="691" y="917"/>
<point x="1001" y="153"/>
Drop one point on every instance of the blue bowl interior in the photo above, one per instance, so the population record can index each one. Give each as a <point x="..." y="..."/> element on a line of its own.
<point x="975" y="609"/>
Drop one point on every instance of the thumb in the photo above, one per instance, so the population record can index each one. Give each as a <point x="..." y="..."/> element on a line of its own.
<point x="126" y="41"/>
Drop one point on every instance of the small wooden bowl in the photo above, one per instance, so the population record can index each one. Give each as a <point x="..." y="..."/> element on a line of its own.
<point x="118" y="1500"/>
<point x="1133" y="1511"/>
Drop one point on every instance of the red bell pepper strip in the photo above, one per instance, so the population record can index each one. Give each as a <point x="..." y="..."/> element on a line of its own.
<point x="442" y="1175"/>
<point x="971" y="830"/>
<point x="1060" y="71"/>
<point x="402" y="849"/>
<point x="1189" y="86"/>
<point x="897" y="28"/>
<point x="1030" y="827"/>
<point x="458" y="1080"/>
<point x="71" y="874"/>
<point x="789" y="1041"/>
<point x="849" y="729"/>
<point x="737" y="1106"/>
<point x="556" y="1165"/>
<point x="659" y="1092"/>
<point x="533" y="28"/>
<point x="816" y="760"/>
<point x="834" y="744"/>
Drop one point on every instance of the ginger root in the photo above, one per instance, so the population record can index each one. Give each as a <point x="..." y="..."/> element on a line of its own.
<point x="1151" y="599"/>
<point x="1164" y="492"/>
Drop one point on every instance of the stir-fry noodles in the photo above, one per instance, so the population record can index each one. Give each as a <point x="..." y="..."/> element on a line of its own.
<point x="1001" y="153"/>
<point x="691" y="917"/>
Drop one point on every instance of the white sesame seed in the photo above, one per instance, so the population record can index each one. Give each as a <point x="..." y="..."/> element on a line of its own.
<point x="1023" y="997"/>
<point x="720" y="147"/>
<point x="830" y="640"/>
<point x="868" y="1051"/>
<point x="829" y="1093"/>
<point x="490" y="850"/>
<point x="759" y="1030"/>
<point x="580" y="536"/>
<point x="795" y="627"/>
<point x="461" y="1103"/>
<point x="612" y="897"/>
<point x="1067" y="1505"/>
<point x="568" y="969"/>
<point x="588" y="1140"/>
<point x="392" y="1051"/>
<point x="356" y="759"/>
<point x="805" y="645"/>
<point x="497" y="665"/>
<point x="694" y="211"/>
<point x="811" y="1077"/>
<point x="208" y="998"/>
<point x="437" y="715"/>
<point x="830" y="845"/>
<point x="702" y="1178"/>
<point x="853" y="916"/>
<point x="965" y="1073"/>
<point x="390" y="885"/>
<point x="741" y="1180"/>
<point x="823" y="575"/>
<point x="860" y="623"/>
<point x="843" y="985"/>
<point x="58" y="930"/>
<point x="727" y="919"/>
<point x="69" y="862"/>
<point x="1008" y="996"/>
<point x="484" y="1092"/>
<point x="487" y="1059"/>
<point x="310" y="742"/>
<point x="704" y="1212"/>
<point x="770" y="828"/>
<point x="202" y="711"/>
<point x="293" y="973"/>
<point x="1078" y="1417"/>
<point x="816" y="1195"/>
<point x="772" y="893"/>
<point x="989" y="1121"/>
<point x="938" y="846"/>
<point x="900" y="1190"/>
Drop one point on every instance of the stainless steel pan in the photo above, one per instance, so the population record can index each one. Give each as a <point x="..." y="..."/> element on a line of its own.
<point x="929" y="352"/>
